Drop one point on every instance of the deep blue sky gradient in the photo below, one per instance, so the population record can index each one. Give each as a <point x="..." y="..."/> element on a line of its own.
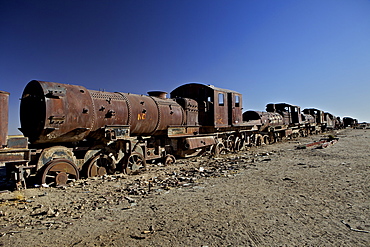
<point x="311" y="53"/>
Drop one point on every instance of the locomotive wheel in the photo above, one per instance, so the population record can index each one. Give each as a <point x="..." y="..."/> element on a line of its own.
<point x="259" y="140"/>
<point x="134" y="163"/>
<point x="169" y="160"/>
<point x="59" y="172"/>
<point x="99" y="166"/>
<point x="230" y="142"/>
<point x="239" y="144"/>
<point x="218" y="149"/>
<point x="266" y="140"/>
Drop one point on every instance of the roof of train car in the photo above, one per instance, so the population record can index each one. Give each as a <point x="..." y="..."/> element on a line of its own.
<point x="207" y="86"/>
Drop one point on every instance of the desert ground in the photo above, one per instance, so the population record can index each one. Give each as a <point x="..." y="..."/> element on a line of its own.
<point x="274" y="195"/>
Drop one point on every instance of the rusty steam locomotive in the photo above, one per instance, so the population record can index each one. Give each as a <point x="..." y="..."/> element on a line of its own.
<point x="72" y="132"/>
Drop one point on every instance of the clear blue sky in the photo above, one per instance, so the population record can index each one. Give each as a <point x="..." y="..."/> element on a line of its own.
<point x="311" y="53"/>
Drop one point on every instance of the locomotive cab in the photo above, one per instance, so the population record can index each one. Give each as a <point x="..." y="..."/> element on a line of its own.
<point x="290" y="113"/>
<point x="318" y="114"/>
<point x="218" y="108"/>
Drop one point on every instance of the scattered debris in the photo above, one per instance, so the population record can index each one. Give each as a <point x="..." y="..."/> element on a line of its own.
<point x="328" y="143"/>
<point x="323" y="143"/>
<point x="137" y="237"/>
<point x="353" y="229"/>
<point x="304" y="146"/>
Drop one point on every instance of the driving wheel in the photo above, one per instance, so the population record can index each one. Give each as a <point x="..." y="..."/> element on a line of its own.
<point x="99" y="165"/>
<point x="134" y="163"/>
<point x="59" y="172"/>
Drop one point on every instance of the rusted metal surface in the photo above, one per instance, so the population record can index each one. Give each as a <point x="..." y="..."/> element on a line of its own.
<point x="308" y="119"/>
<point x="263" y="119"/>
<point x="158" y="94"/>
<point x="109" y="109"/>
<point x="15" y="155"/>
<point x="328" y="143"/>
<point x="218" y="108"/>
<point x="117" y="132"/>
<point x="17" y="142"/>
<point x="152" y="115"/>
<point x="54" y="112"/>
<point x="235" y="108"/>
<point x="288" y="132"/>
<point x="55" y="152"/>
<point x="4" y="101"/>
<point x="318" y="114"/>
<point x="291" y="113"/>
<point x="170" y="113"/>
<point x="59" y="172"/>
<point x="311" y="144"/>
<point x="169" y="160"/>
<point x="98" y="166"/>
<point x="190" y="107"/>
<point x="134" y="163"/>
<point x="202" y="95"/>
<point x="221" y="109"/>
<point x="72" y="129"/>
<point x="178" y="131"/>
<point x="198" y="142"/>
<point x="323" y="143"/>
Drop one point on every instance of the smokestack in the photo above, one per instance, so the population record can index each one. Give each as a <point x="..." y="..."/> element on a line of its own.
<point x="158" y="94"/>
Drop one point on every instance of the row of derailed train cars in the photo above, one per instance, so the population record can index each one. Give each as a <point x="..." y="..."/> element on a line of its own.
<point x="72" y="132"/>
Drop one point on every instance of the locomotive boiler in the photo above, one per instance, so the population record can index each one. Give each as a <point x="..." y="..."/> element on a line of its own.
<point x="60" y="113"/>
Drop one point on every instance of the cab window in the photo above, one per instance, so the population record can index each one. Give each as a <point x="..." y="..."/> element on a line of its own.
<point x="221" y="100"/>
<point x="237" y="101"/>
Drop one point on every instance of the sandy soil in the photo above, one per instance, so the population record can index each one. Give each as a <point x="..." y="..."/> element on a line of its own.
<point x="275" y="195"/>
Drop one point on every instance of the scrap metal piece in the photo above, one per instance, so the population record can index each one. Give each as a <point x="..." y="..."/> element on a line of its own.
<point x="323" y="143"/>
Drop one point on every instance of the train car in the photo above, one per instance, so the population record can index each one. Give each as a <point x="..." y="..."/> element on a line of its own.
<point x="296" y="123"/>
<point x="271" y="126"/>
<point x="95" y="133"/>
<point x="291" y="113"/>
<point x="320" y="121"/>
<point x="72" y="132"/>
<point x="349" y="122"/>
<point x="280" y="121"/>
<point x="218" y="108"/>
<point x="330" y="121"/>
<point x="219" y="115"/>
<point x="14" y="151"/>
<point x="263" y="120"/>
